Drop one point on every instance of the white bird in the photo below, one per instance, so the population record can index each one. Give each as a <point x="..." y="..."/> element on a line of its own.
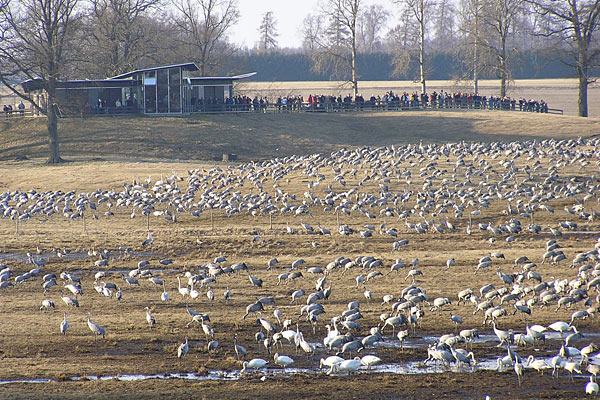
<point x="556" y="362"/>
<point x="283" y="361"/>
<point x="347" y="366"/>
<point x="591" y="387"/>
<point x="164" y="296"/>
<point x="402" y="335"/>
<point x="95" y="328"/>
<point x="562" y="327"/>
<point x="150" y="318"/>
<point x="572" y="367"/>
<point x="207" y="329"/>
<point x="183" y="349"/>
<point x="519" y="371"/>
<point x="457" y="319"/>
<point x="330" y="361"/>
<point x="64" y="325"/>
<point x="255" y="363"/>
<point x="538" y="365"/>
<point x="47" y="305"/>
<point x="370" y="360"/>
<point x="368" y="295"/>
<point x="193" y="293"/>
<point x="184" y="291"/>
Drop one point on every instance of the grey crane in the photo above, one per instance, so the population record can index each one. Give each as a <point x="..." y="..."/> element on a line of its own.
<point x="240" y="351"/>
<point x="183" y="349"/>
<point x="95" y="328"/>
<point x="252" y="308"/>
<point x="64" y="325"/>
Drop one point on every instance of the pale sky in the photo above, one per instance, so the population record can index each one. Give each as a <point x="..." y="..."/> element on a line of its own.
<point x="289" y="15"/>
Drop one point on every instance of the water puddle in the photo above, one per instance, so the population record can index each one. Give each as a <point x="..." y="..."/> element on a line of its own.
<point x="73" y="256"/>
<point x="407" y="368"/>
<point x="39" y="380"/>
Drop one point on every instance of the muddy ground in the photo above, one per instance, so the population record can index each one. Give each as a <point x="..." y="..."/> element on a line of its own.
<point x="31" y="346"/>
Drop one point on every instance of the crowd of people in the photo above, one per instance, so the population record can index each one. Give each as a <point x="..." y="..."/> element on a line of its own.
<point x="18" y="110"/>
<point x="332" y="103"/>
<point x="389" y="101"/>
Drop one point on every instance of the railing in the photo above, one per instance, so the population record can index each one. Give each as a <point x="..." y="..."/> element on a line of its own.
<point x="353" y="106"/>
<point x="318" y="107"/>
<point x="18" y="113"/>
<point x="113" y="110"/>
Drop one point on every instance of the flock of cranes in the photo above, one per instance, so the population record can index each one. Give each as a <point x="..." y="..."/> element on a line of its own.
<point x="388" y="198"/>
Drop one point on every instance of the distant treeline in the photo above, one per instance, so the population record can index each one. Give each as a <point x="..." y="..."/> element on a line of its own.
<point x="278" y="66"/>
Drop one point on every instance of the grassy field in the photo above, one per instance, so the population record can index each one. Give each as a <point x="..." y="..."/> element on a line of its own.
<point x="262" y="136"/>
<point x="31" y="346"/>
<point x="109" y="153"/>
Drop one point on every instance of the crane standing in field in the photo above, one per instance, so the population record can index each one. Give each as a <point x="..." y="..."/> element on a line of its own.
<point x="95" y="328"/>
<point x="64" y="325"/>
<point x="183" y="349"/>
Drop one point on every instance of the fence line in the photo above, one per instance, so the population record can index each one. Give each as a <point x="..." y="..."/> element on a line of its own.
<point x="319" y="107"/>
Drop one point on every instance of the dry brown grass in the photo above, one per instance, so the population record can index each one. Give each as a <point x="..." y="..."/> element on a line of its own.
<point x="263" y="136"/>
<point x="31" y="346"/>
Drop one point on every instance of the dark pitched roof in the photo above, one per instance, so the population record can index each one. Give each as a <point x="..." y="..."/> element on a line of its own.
<point x="217" y="80"/>
<point x="187" y="66"/>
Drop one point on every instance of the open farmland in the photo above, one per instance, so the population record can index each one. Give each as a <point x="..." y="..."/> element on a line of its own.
<point x="375" y="221"/>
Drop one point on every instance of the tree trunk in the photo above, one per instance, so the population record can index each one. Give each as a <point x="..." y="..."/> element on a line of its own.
<point x="353" y="33"/>
<point x="354" y="75"/>
<point x="475" y="69"/>
<point x="503" y="67"/>
<point x="502" y="85"/>
<point x="422" y="50"/>
<point x="502" y="77"/>
<point x="582" y="100"/>
<point x="52" y="129"/>
<point x="476" y="51"/>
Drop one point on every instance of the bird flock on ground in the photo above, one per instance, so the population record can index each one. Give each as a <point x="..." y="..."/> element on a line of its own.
<point x="494" y="192"/>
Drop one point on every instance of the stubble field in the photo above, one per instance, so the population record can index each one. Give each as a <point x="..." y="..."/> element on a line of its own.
<point x="141" y="152"/>
<point x="32" y="347"/>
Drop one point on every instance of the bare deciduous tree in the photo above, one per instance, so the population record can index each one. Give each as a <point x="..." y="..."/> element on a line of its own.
<point x="35" y="38"/>
<point x="402" y="41"/>
<point x="268" y="32"/>
<point x="204" y="26"/>
<point x="468" y="49"/>
<point x="312" y="30"/>
<point x="370" y="25"/>
<point x="575" y="25"/>
<point x="333" y="49"/>
<point x="444" y="19"/>
<point x="421" y="11"/>
<point x="499" y="19"/>
<point x="118" y="34"/>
